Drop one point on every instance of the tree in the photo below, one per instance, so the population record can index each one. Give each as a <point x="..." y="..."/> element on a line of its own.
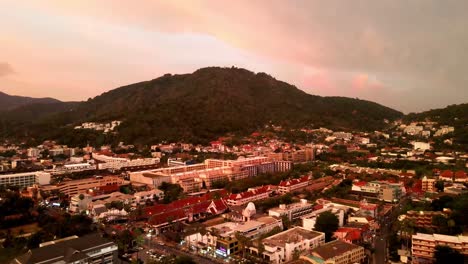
<point x="171" y="191"/>
<point x="439" y="186"/>
<point x="184" y="260"/>
<point x="444" y="254"/>
<point x="296" y="254"/>
<point x="441" y="223"/>
<point x="327" y="223"/>
<point x="244" y="242"/>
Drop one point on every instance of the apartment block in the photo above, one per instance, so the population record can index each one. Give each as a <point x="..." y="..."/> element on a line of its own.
<point x="83" y="185"/>
<point x="422" y="218"/>
<point x="25" y="179"/>
<point x="423" y="246"/>
<point x="428" y="184"/>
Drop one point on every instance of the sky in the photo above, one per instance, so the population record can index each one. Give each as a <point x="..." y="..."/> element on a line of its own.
<point x="408" y="55"/>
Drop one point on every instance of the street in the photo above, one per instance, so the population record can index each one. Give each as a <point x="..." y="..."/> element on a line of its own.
<point x="380" y="244"/>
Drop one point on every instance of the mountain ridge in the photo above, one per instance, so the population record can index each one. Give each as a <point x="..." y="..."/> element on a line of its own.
<point x="203" y="105"/>
<point x="10" y="102"/>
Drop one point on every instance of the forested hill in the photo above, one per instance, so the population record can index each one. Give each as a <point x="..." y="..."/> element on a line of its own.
<point x="212" y="102"/>
<point x="9" y="102"/>
<point x="454" y="115"/>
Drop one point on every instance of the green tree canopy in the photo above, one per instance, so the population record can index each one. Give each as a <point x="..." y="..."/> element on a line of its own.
<point x="444" y="254"/>
<point x="327" y="223"/>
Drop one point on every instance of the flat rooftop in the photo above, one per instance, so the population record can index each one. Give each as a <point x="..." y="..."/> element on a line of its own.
<point x="228" y="228"/>
<point x="291" y="207"/>
<point x="293" y="235"/>
<point x="439" y="237"/>
<point x="332" y="249"/>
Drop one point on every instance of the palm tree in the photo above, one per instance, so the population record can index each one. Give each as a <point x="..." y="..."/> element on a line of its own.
<point x="244" y="242"/>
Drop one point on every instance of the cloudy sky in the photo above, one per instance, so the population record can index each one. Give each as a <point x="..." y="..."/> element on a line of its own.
<point x="409" y="55"/>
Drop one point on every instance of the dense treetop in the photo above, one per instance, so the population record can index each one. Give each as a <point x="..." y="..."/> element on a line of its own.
<point x="203" y="105"/>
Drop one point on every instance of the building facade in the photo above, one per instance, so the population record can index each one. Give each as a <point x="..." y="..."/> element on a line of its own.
<point x="281" y="247"/>
<point x="25" y="179"/>
<point x="292" y="211"/>
<point x="423" y="246"/>
<point x="336" y="252"/>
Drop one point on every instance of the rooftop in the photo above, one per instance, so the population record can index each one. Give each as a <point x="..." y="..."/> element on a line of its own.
<point x="292" y="206"/>
<point x="439" y="237"/>
<point x="332" y="249"/>
<point x="293" y="235"/>
<point x="67" y="250"/>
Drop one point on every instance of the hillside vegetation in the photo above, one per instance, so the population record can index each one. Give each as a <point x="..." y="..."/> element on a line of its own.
<point x="208" y="103"/>
<point x="9" y="102"/>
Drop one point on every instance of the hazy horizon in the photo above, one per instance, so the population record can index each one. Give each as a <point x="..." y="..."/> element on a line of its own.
<point x="409" y="56"/>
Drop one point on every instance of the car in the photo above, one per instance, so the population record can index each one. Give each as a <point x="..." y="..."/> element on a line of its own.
<point x="161" y="243"/>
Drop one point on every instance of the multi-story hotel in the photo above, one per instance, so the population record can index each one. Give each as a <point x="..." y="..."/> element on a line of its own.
<point x="423" y="246"/>
<point x="421" y="218"/>
<point x="214" y="163"/>
<point x="25" y="179"/>
<point x="83" y="185"/>
<point x="192" y="178"/>
<point x="428" y="184"/>
<point x="301" y="155"/>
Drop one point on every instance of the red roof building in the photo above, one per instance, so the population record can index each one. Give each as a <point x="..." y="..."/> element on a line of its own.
<point x="293" y="185"/>
<point x="188" y="209"/>
<point x="249" y="196"/>
<point x="446" y="175"/>
<point x="350" y="235"/>
<point x="460" y="176"/>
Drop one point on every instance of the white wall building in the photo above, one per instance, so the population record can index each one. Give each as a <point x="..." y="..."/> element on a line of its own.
<point x="141" y="197"/>
<point x="25" y="179"/>
<point x="78" y="205"/>
<point x="280" y="248"/>
<point x="421" y="146"/>
<point x="292" y="211"/>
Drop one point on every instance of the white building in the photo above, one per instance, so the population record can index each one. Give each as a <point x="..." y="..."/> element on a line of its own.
<point x="25" y="179"/>
<point x="292" y="211"/>
<point x="444" y="130"/>
<point x="141" y="197"/>
<point x="118" y="163"/>
<point x="281" y="247"/>
<point x="413" y="130"/>
<point x="421" y="146"/>
<point x="78" y="205"/>
<point x="33" y="152"/>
